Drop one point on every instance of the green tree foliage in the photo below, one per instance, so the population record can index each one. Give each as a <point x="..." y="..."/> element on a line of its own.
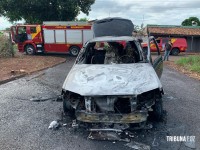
<point x="82" y="19"/>
<point x="188" y="22"/>
<point x="139" y="30"/>
<point x="37" y="11"/>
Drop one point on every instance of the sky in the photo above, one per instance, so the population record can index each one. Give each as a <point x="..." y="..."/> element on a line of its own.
<point x="161" y="12"/>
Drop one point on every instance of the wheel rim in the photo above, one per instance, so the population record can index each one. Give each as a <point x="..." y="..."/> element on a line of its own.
<point x="175" y="52"/>
<point x="74" y="51"/>
<point x="30" y="50"/>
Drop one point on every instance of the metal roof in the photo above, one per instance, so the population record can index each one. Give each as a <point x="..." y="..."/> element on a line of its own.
<point x="171" y="26"/>
<point x="173" y="30"/>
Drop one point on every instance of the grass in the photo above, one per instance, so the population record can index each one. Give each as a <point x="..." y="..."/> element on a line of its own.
<point x="191" y="63"/>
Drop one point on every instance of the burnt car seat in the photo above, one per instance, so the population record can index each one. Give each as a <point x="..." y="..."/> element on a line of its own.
<point x="98" y="57"/>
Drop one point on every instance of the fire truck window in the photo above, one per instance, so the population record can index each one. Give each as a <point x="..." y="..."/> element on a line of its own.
<point x="158" y="41"/>
<point x="33" y="29"/>
<point x="21" y="30"/>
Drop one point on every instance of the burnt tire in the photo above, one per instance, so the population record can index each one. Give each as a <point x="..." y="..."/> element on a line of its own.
<point x="175" y="51"/>
<point x="74" y="51"/>
<point x="30" y="50"/>
<point x="157" y="113"/>
<point x="67" y="109"/>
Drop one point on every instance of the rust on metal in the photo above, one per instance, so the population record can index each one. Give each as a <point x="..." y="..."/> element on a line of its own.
<point x="135" y="117"/>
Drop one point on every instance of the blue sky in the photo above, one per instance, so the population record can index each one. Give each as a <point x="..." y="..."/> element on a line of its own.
<point x="163" y="12"/>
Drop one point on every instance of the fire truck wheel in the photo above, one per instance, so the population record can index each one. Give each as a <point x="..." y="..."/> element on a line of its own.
<point x="74" y="50"/>
<point x="175" y="51"/>
<point x="30" y="50"/>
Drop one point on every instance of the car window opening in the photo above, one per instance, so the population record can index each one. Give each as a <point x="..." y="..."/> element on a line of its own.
<point x="117" y="52"/>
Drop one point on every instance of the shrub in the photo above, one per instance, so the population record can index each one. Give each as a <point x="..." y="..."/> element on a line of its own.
<point x="6" y="47"/>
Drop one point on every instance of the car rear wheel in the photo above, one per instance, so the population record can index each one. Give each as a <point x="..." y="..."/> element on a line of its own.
<point x="74" y="50"/>
<point x="175" y="51"/>
<point x="30" y="50"/>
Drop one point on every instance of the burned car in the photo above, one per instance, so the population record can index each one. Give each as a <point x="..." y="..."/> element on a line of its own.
<point x="114" y="82"/>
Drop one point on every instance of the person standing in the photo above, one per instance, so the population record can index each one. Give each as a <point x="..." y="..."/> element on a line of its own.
<point x="168" y="47"/>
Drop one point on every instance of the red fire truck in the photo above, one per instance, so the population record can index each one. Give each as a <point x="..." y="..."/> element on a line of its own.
<point x="179" y="45"/>
<point x="52" y="37"/>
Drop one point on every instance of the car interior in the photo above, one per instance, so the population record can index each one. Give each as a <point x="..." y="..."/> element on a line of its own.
<point x="114" y="52"/>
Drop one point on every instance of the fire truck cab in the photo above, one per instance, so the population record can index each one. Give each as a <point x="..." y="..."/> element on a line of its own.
<point x="52" y="37"/>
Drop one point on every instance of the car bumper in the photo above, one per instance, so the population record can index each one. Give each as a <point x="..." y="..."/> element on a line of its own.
<point x="134" y="117"/>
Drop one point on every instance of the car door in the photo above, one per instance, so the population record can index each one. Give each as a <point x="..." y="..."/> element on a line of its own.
<point x="157" y="61"/>
<point x="13" y="33"/>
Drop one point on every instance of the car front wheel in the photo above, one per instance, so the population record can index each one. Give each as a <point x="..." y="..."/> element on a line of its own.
<point x="157" y="113"/>
<point x="68" y="109"/>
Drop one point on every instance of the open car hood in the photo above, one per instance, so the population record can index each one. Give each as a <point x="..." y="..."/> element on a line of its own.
<point x="112" y="79"/>
<point x="112" y="27"/>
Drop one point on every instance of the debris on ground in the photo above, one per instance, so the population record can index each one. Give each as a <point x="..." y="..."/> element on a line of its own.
<point x="130" y="134"/>
<point x="121" y="126"/>
<point x="74" y="124"/>
<point x="171" y="97"/>
<point x="59" y="98"/>
<point x="27" y="63"/>
<point x="64" y="124"/>
<point x="20" y="71"/>
<point x="190" y="144"/>
<point x="42" y="99"/>
<point x="138" y="146"/>
<point x="54" y="125"/>
<point x="155" y="143"/>
<point x="110" y="136"/>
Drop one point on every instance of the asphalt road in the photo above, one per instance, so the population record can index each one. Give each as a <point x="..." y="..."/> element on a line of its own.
<point x="24" y="123"/>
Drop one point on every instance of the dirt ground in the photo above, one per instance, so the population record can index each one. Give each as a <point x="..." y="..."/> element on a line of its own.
<point x="23" y="64"/>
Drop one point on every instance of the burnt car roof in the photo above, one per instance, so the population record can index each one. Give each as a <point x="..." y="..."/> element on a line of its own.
<point x="113" y="38"/>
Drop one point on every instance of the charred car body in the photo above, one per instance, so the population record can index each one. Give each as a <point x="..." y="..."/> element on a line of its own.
<point x="113" y="81"/>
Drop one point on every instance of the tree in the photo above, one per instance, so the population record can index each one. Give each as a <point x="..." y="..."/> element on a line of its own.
<point x="191" y="21"/>
<point x="37" y="11"/>
<point x="139" y="30"/>
<point x="7" y="29"/>
<point x="82" y="19"/>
